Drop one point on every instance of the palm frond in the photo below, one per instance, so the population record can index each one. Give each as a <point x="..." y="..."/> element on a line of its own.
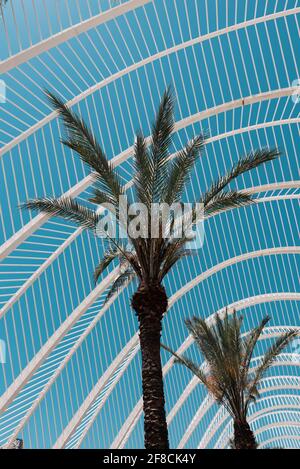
<point x="250" y="343"/>
<point x="171" y="256"/>
<point x="253" y="160"/>
<point x="182" y="360"/>
<point x="64" y="207"/>
<point x="108" y="257"/>
<point x="181" y="168"/>
<point x="227" y="200"/>
<point x="208" y="342"/>
<point x="81" y="140"/>
<point x="161" y="138"/>
<point x="102" y="198"/>
<point x="122" y="281"/>
<point x="270" y="356"/>
<point x="143" y="166"/>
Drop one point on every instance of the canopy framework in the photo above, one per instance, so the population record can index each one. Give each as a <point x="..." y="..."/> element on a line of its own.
<point x="112" y="63"/>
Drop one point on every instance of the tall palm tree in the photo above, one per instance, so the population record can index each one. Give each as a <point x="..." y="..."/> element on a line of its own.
<point x="157" y="178"/>
<point x="228" y="375"/>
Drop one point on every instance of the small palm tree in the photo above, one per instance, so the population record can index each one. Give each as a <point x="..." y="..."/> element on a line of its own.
<point x="158" y="178"/>
<point x="229" y="376"/>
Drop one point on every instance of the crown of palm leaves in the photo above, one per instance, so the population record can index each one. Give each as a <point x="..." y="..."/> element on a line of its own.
<point x="158" y="178"/>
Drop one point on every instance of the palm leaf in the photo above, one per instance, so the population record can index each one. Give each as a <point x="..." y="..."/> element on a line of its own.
<point x="64" y="207"/>
<point x="180" y="171"/>
<point x="182" y="360"/>
<point x="226" y="201"/>
<point x="161" y="137"/>
<point x="81" y="140"/>
<point x="252" y="160"/>
<point x="143" y="166"/>
<point x="122" y="281"/>
<point x="107" y="259"/>
<point x="270" y="356"/>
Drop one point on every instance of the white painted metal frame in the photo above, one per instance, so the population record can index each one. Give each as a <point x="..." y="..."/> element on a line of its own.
<point x="37" y="221"/>
<point x="65" y="35"/>
<point x="132" y="419"/>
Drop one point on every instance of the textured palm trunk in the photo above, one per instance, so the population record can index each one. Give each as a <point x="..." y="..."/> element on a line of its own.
<point x="243" y="436"/>
<point x="150" y="303"/>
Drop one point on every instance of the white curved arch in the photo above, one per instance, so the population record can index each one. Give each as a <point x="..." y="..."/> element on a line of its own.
<point x="69" y="33"/>
<point x="47" y="348"/>
<point x="279" y="438"/>
<point x="127" y="428"/>
<point x="208" y="273"/>
<point x="38" y="220"/>
<point x="78" y="231"/>
<point x="288" y="424"/>
<point x="267" y="412"/>
<point x="32" y="366"/>
<point x="175" y="297"/>
<point x="140" y="64"/>
<point x="222" y="415"/>
<point x="268" y="333"/>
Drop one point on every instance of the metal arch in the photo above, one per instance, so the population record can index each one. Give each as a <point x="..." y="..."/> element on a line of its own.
<point x="279" y="438"/>
<point x="233" y="260"/>
<point x="63" y="363"/>
<point x="78" y="231"/>
<point x="210" y="272"/>
<point x="175" y="297"/>
<point x="38" y="220"/>
<point x="221" y="416"/>
<point x="90" y="399"/>
<point x="39" y="358"/>
<point x="142" y="63"/>
<point x="69" y="33"/>
<point x="75" y="422"/>
<point x="267" y="412"/>
<point x="284" y="424"/>
<point x="47" y="348"/>
<point x="133" y="417"/>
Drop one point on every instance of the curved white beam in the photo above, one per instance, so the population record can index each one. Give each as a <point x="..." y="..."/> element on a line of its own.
<point x="38" y="220"/>
<point x="90" y="399"/>
<point x="279" y="438"/>
<point x="288" y="424"/>
<point x="222" y="414"/>
<point x="223" y="439"/>
<point x="175" y="297"/>
<point x="233" y="260"/>
<point x="51" y="343"/>
<point x="69" y="33"/>
<point x="78" y="231"/>
<point x="142" y="63"/>
<point x="131" y="421"/>
<point x="59" y="334"/>
<point x="128" y="426"/>
<point x="199" y="279"/>
<point x="62" y="365"/>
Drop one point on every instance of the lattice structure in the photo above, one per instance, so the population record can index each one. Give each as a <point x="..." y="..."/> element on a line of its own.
<point x="72" y="373"/>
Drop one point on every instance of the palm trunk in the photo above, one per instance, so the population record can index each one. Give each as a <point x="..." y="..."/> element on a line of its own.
<point x="150" y="303"/>
<point x="243" y="436"/>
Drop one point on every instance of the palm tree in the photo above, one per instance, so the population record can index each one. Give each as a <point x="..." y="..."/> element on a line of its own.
<point x="158" y="177"/>
<point x="228" y="375"/>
